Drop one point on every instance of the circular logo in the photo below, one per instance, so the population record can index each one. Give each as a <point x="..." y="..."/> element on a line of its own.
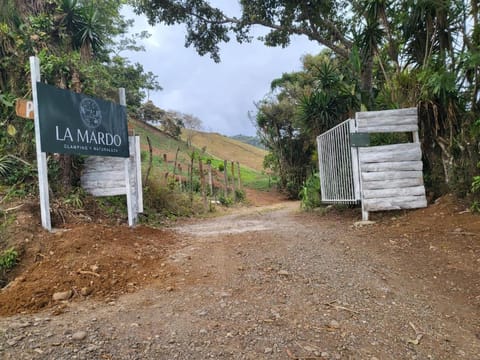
<point x="90" y="113"/>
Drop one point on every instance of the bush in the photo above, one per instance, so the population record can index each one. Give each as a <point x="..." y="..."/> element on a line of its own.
<point x="221" y="168"/>
<point x="8" y="259"/>
<point x="475" y="207"/>
<point x="162" y="202"/>
<point x="225" y="200"/>
<point x="310" y="192"/>
<point x="240" y="195"/>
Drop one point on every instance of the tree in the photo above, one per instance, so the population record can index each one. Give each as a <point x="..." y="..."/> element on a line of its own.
<point x="290" y="150"/>
<point x="301" y="106"/>
<point x="74" y="41"/>
<point x="150" y="112"/>
<point x="191" y="122"/>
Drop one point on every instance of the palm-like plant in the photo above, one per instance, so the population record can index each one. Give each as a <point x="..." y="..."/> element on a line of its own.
<point x="89" y="31"/>
<point x="83" y="25"/>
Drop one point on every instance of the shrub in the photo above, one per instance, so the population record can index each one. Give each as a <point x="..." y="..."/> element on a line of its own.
<point x="310" y="192"/>
<point x="240" y="195"/>
<point x="8" y="259"/>
<point x="225" y="200"/>
<point x="475" y="207"/>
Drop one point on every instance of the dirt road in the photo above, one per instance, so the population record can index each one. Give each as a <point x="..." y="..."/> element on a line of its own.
<point x="273" y="283"/>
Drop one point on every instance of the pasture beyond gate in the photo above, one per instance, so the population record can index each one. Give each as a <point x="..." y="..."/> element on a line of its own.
<point x="386" y="177"/>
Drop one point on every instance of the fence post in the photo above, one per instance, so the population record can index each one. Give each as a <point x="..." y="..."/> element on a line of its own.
<point x="210" y="180"/>
<point x="233" y="181"/>
<point x="225" y="175"/>
<point x="239" y="177"/>
<point x="191" y="177"/>
<point x="202" y="182"/>
<point x="175" y="163"/>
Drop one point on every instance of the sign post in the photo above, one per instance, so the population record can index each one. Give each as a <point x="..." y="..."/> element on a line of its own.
<point x="41" y="156"/>
<point x="132" y="214"/>
<point x="72" y="123"/>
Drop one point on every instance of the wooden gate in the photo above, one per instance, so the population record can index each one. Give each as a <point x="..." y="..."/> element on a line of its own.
<point x="389" y="177"/>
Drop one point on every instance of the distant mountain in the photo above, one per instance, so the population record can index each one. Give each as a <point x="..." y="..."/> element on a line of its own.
<point x="252" y="140"/>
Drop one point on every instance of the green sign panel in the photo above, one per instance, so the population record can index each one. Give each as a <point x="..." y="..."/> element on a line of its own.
<point x="74" y="123"/>
<point x="360" y="139"/>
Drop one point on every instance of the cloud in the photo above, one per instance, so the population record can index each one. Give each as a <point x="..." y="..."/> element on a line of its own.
<point x="222" y="94"/>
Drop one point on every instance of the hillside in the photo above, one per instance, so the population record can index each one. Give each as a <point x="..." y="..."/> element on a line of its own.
<point x="226" y="148"/>
<point x="217" y="149"/>
<point x="252" y="140"/>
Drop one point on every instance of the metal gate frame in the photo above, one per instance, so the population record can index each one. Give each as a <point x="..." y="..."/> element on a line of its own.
<point x="334" y="150"/>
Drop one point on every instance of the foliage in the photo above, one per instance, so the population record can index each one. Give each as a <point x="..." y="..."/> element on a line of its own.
<point x="8" y="259"/>
<point x="114" y="206"/>
<point x="240" y="195"/>
<point x="168" y="202"/>
<point x="475" y="207"/>
<point x="207" y="26"/>
<point x="225" y="200"/>
<point x="310" y="193"/>
<point x="475" y="188"/>
<point x="76" y="42"/>
<point x="76" y="198"/>
<point x="476" y="184"/>
<point x="303" y="105"/>
<point x="14" y="170"/>
<point x="149" y="112"/>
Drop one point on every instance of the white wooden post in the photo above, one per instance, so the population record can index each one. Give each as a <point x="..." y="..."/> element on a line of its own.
<point x="358" y="173"/>
<point x="41" y="156"/>
<point x="138" y="164"/>
<point x="132" y="218"/>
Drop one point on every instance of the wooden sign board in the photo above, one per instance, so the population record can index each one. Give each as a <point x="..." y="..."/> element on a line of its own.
<point x="24" y="108"/>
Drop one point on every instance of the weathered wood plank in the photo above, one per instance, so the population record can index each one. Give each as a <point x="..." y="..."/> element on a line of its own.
<point x="390" y="175"/>
<point x="387" y="121"/>
<point x="394" y="193"/>
<point x="387" y="113"/>
<point x="398" y="203"/>
<point x="369" y="128"/>
<point x="102" y="176"/>
<point x="393" y="154"/>
<point x="103" y="183"/>
<point x="102" y="163"/>
<point x="393" y="148"/>
<point x="393" y="166"/>
<point x="105" y="191"/>
<point x="392" y="184"/>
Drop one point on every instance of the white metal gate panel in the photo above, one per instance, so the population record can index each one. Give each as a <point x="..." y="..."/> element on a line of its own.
<point x="338" y="167"/>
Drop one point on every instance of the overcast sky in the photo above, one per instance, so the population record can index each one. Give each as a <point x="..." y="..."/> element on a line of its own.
<point x="220" y="94"/>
